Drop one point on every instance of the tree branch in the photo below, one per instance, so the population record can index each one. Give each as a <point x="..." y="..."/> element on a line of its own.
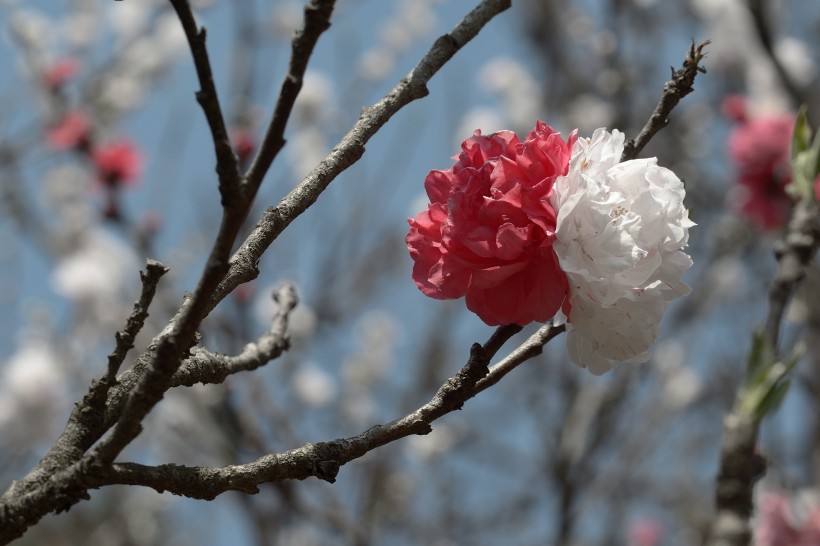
<point x="740" y="464"/>
<point x="207" y="367"/>
<point x="324" y="459"/>
<point x="761" y="20"/>
<point x="794" y="252"/>
<point x="681" y="84"/>
<point x="61" y="478"/>
<point x="414" y="86"/>
<point x="317" y="20"/>
<point x="154" y="270"/>
<point x="227" y="166"/>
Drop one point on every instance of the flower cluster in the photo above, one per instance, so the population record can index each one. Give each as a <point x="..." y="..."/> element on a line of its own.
<point x="525" y="230"/>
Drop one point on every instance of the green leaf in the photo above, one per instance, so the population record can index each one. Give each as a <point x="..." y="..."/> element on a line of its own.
<point x="802" y="133"/>
<point x="805" y="154"/>
<point x="766" y="382"/>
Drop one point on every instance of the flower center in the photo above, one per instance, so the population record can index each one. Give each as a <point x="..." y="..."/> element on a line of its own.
<point x="617" y="212"/>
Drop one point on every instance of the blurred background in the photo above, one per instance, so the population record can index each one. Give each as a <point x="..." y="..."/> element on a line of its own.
<point x="105" y="160"/>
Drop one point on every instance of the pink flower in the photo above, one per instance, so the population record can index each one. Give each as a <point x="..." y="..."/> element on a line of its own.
<point x="817" y="188"/>
<point x="60" y="72"/>
<point x="488" y="231"/>
<point x="244" y="143"/>
<point x="644" y="532"/>
<point x="780" y="524"/>
<point x="117" y="162"/>
<point x="759" y="149"/>
<point x="72" y="132"/>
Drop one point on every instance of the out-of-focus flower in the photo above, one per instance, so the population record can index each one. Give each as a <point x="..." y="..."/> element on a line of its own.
<point x="489" y="229"/>
<point x="31" y="28"/>
<point x="620" y="232"/>
<point x="759" y="149"/>
<point x="72" y="131"/>
<point x="520" y="94"/>
<point x="62" y="70"/>
<point x="32" y="393"/>
<point x="785" y="521"/>
<point x="314" y="386"/>
<point x="117" y="162"/>
<point x="644" y="532"/>
<point x="413" y="20"/>
<point x="244" y="143"/>
<point x="285" y="18"/>
<point x="97" y="278"/>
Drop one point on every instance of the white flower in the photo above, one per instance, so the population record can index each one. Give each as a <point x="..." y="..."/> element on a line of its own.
<point x="314" y="386"/>
<point x="620" y="232"/>
<point x="32" y="395"/>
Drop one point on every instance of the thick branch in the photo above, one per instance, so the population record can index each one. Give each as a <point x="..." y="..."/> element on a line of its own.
<point x="681" y="84"/>
<point x="740" y="465"/>
<point x="324" y="459"/>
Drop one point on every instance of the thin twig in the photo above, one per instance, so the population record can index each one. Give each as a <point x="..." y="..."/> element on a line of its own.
<point x="762" y="20"/>
<point x="227" y="167"/>
<point x="681" y="84"/>
<point x="317" y="20"/>
<point x="207" y="367"/>
<point x="414" y="86"/>
<point x="154" y="270"/>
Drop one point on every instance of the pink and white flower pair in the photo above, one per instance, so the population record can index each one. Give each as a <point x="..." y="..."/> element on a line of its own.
<point x="526" y="229"/>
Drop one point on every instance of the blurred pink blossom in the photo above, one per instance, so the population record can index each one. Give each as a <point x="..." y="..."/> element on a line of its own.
<point x="72" y="131"/>
<point x="117" y="162"/>
<point x="244" y="143"/>
<point x="759" y="148"/>
<point x="784" y="521"/>
<point x="62" y="70"/>
<point x="644" y="532"/>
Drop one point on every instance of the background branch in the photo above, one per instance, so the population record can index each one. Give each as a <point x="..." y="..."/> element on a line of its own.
<point x="741" y="466"/>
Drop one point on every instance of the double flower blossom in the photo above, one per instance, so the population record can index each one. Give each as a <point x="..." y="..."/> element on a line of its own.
<point x="527" y="231"/>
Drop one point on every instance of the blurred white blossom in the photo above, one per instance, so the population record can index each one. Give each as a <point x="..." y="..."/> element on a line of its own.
<point x="285" y="19"/>
<point x="313" y="113"/>
<point x="588" y="111"/>
<point x="520" y="94"/>
<point x="797" y="59"/>
<point x="313" y="386"/>
<point x="32" y="395"/>
<point x="99" y="277"/>
<point x="431" y="446"/>
<point x="681" y="384"/>
<point x="488" y="120"/>
<point x="368" y="364"/>
<point x="413" y="20"/>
